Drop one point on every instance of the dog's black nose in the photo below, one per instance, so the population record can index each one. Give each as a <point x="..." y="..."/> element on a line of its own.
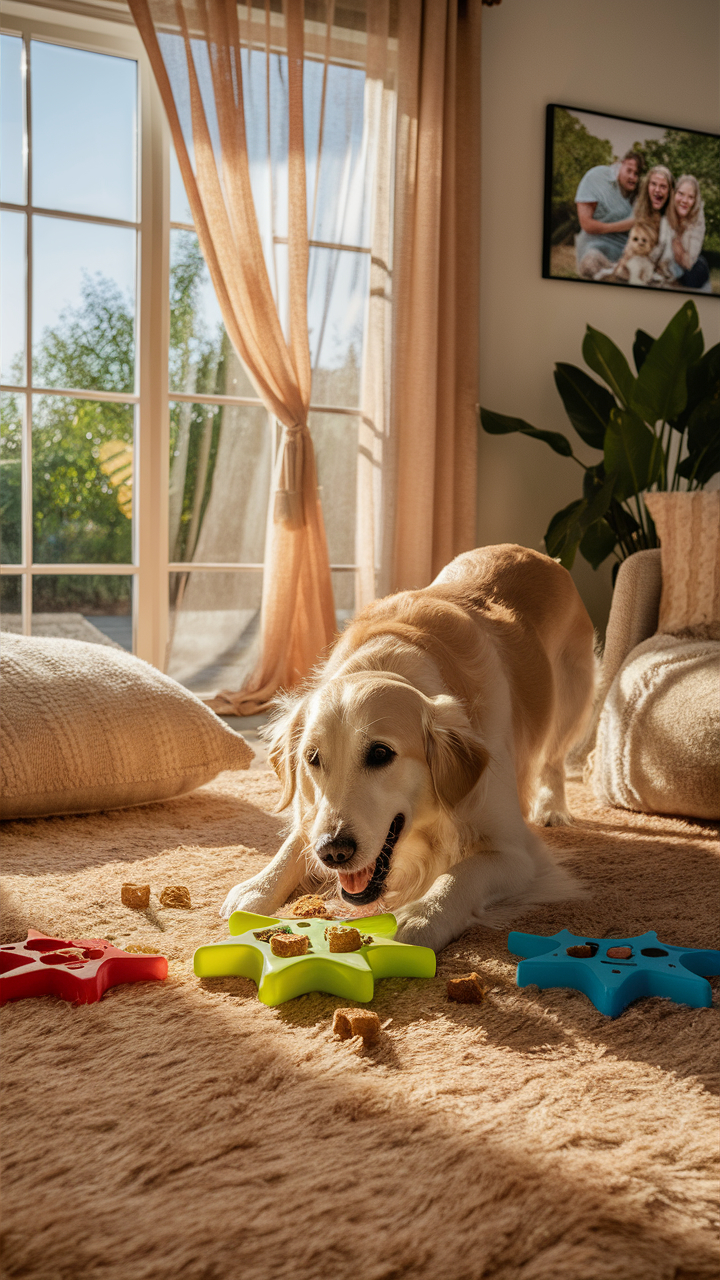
<point x="335" y="850"/>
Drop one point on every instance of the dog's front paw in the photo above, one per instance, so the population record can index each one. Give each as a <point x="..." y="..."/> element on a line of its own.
<point x="246" y="897"/>
<point x="549" y="808"/>
<point x="422" y="927"/>
<point x="548" y="815"/>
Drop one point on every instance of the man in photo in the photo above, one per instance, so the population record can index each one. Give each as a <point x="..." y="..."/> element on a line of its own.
<point x="604" y="207"/>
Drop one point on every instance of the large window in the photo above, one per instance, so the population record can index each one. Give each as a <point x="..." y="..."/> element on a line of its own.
<point x="136" y="457"/>
<point x="80" y="231"/>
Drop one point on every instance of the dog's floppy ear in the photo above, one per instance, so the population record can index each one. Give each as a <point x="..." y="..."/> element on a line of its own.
<point x="455" y="753"/>
<point x="283" y="733"/>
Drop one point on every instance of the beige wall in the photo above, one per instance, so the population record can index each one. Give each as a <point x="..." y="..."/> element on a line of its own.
<point x="655" y="60"/>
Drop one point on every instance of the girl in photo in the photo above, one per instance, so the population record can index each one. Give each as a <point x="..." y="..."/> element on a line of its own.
<point x="682" y="231"/>
<point x="653" y="201"/>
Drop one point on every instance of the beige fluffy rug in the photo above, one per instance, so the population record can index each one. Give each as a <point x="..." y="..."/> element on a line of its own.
<point x="183" y="1130"/>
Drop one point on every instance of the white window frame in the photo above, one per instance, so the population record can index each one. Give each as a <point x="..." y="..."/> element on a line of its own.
<point x="149" y="398"/>
<point x="76" y="24"/>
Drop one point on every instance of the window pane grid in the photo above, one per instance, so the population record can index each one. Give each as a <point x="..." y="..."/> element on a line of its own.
<point x="213" y="396"/>
<point x="49" y="570"/>
<point x="313" y="244"/>
<point x="5" y="205"/>
<point x="31" y="386"/>
<point x="75" y="393"/>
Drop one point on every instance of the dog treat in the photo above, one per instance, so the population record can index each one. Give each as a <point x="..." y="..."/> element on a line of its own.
<point x="135" y="895"/>
<point x="466" y="990"/>
<point x="343" y="939"/>
<point x="580" y="953"/>
<point x="311" y="907"/>
<point x="619" y="953"/>
<point x="175" y="895"/>
<point x="293" y="944"/>
<point x="356" y="1022"/>
<point x="264" y="935"/>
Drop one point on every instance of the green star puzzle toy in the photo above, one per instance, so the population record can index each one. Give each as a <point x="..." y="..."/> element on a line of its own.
<point x="350" y="974"/>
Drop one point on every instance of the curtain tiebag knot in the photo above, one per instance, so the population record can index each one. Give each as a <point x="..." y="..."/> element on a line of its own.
<point x="288" y="507"/>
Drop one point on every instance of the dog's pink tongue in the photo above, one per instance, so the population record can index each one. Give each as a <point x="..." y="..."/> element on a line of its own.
<point x="356" y="881"/>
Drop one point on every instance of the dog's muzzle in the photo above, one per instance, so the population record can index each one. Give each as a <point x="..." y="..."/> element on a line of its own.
<point x="375" y="885"/>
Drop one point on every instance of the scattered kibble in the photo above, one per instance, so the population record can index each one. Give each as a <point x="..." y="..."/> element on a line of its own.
<point x="310" y="905"/>
<point x="356" y="1022"/>
<point x="467" y="989"/>
<point x="176" y="895"/>
<point x="285" y="945"/>
<point x="340" y="940"/>
<point x="135" y="895"/>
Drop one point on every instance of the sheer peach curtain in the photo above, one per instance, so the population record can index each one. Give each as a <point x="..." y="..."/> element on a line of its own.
<point x="416" y="489"/>
<point x="437" y="237"/>
<point x="416" y="445"/>
<point x="195" y="52"/>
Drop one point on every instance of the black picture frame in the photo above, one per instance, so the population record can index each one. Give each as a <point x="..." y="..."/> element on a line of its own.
<point x="570" y="149"/>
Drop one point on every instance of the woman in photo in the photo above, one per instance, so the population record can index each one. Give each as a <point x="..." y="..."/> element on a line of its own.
<point x="682" y="231"/>
<point x="654" y="196"/>
<point x="653" y="201"/>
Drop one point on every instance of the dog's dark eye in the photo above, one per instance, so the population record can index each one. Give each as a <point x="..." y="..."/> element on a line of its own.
<point x="313" y="758"/>
<point x="378" y="755"/>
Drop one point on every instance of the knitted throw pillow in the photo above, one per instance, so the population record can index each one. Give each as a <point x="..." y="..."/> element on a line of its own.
<point x="87" y="727"/>
<point x="688" y="526"/>
<point x="658" y="741"/>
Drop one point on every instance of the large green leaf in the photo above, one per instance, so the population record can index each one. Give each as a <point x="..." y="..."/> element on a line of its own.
<point x="703" y="383"/>
<point x="607" y="360"/>
<point x="641" y="346"/>
<point x="598" y="542"/>
<point x="704" y="424"/>
<point x="567" y="527"/>
<point x="660" y="391"/>
<point x="587" y="404"/>
<point x="704" y="377"/>
<point x="703" y="460"/>
<point x="632" y="452"/>
<point x="556" y="534"/>
<point x="497" y="424"/>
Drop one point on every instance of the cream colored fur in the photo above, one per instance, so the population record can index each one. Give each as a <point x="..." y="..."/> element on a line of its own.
<point x="475" y="687"/>
<point x="635" y="265"/>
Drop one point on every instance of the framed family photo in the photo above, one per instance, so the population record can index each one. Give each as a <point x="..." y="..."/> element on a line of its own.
<point x="631" y="203"/>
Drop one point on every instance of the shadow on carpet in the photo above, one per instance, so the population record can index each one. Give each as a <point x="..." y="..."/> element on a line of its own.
<point x="185" y="1130"/>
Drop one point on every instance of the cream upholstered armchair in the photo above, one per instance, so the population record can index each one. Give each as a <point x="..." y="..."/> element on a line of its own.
<point x="654" y="744"/>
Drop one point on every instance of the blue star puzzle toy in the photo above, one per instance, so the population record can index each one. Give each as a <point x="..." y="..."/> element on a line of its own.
<point x="350" y="974"/>
<point x="614" y="971"/>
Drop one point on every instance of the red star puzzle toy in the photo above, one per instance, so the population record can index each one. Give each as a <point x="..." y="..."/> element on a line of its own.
<point x="80" y="969"/>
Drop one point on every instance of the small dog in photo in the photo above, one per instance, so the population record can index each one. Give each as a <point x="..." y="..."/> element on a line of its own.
<point x="635" y="265"/>
<point x="436" y="731"/>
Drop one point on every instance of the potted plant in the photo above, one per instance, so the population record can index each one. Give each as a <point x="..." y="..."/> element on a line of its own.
<point x="659" y="429"/>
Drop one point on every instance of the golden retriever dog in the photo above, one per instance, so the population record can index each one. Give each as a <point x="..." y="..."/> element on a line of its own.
<point x="436" y="730"/>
